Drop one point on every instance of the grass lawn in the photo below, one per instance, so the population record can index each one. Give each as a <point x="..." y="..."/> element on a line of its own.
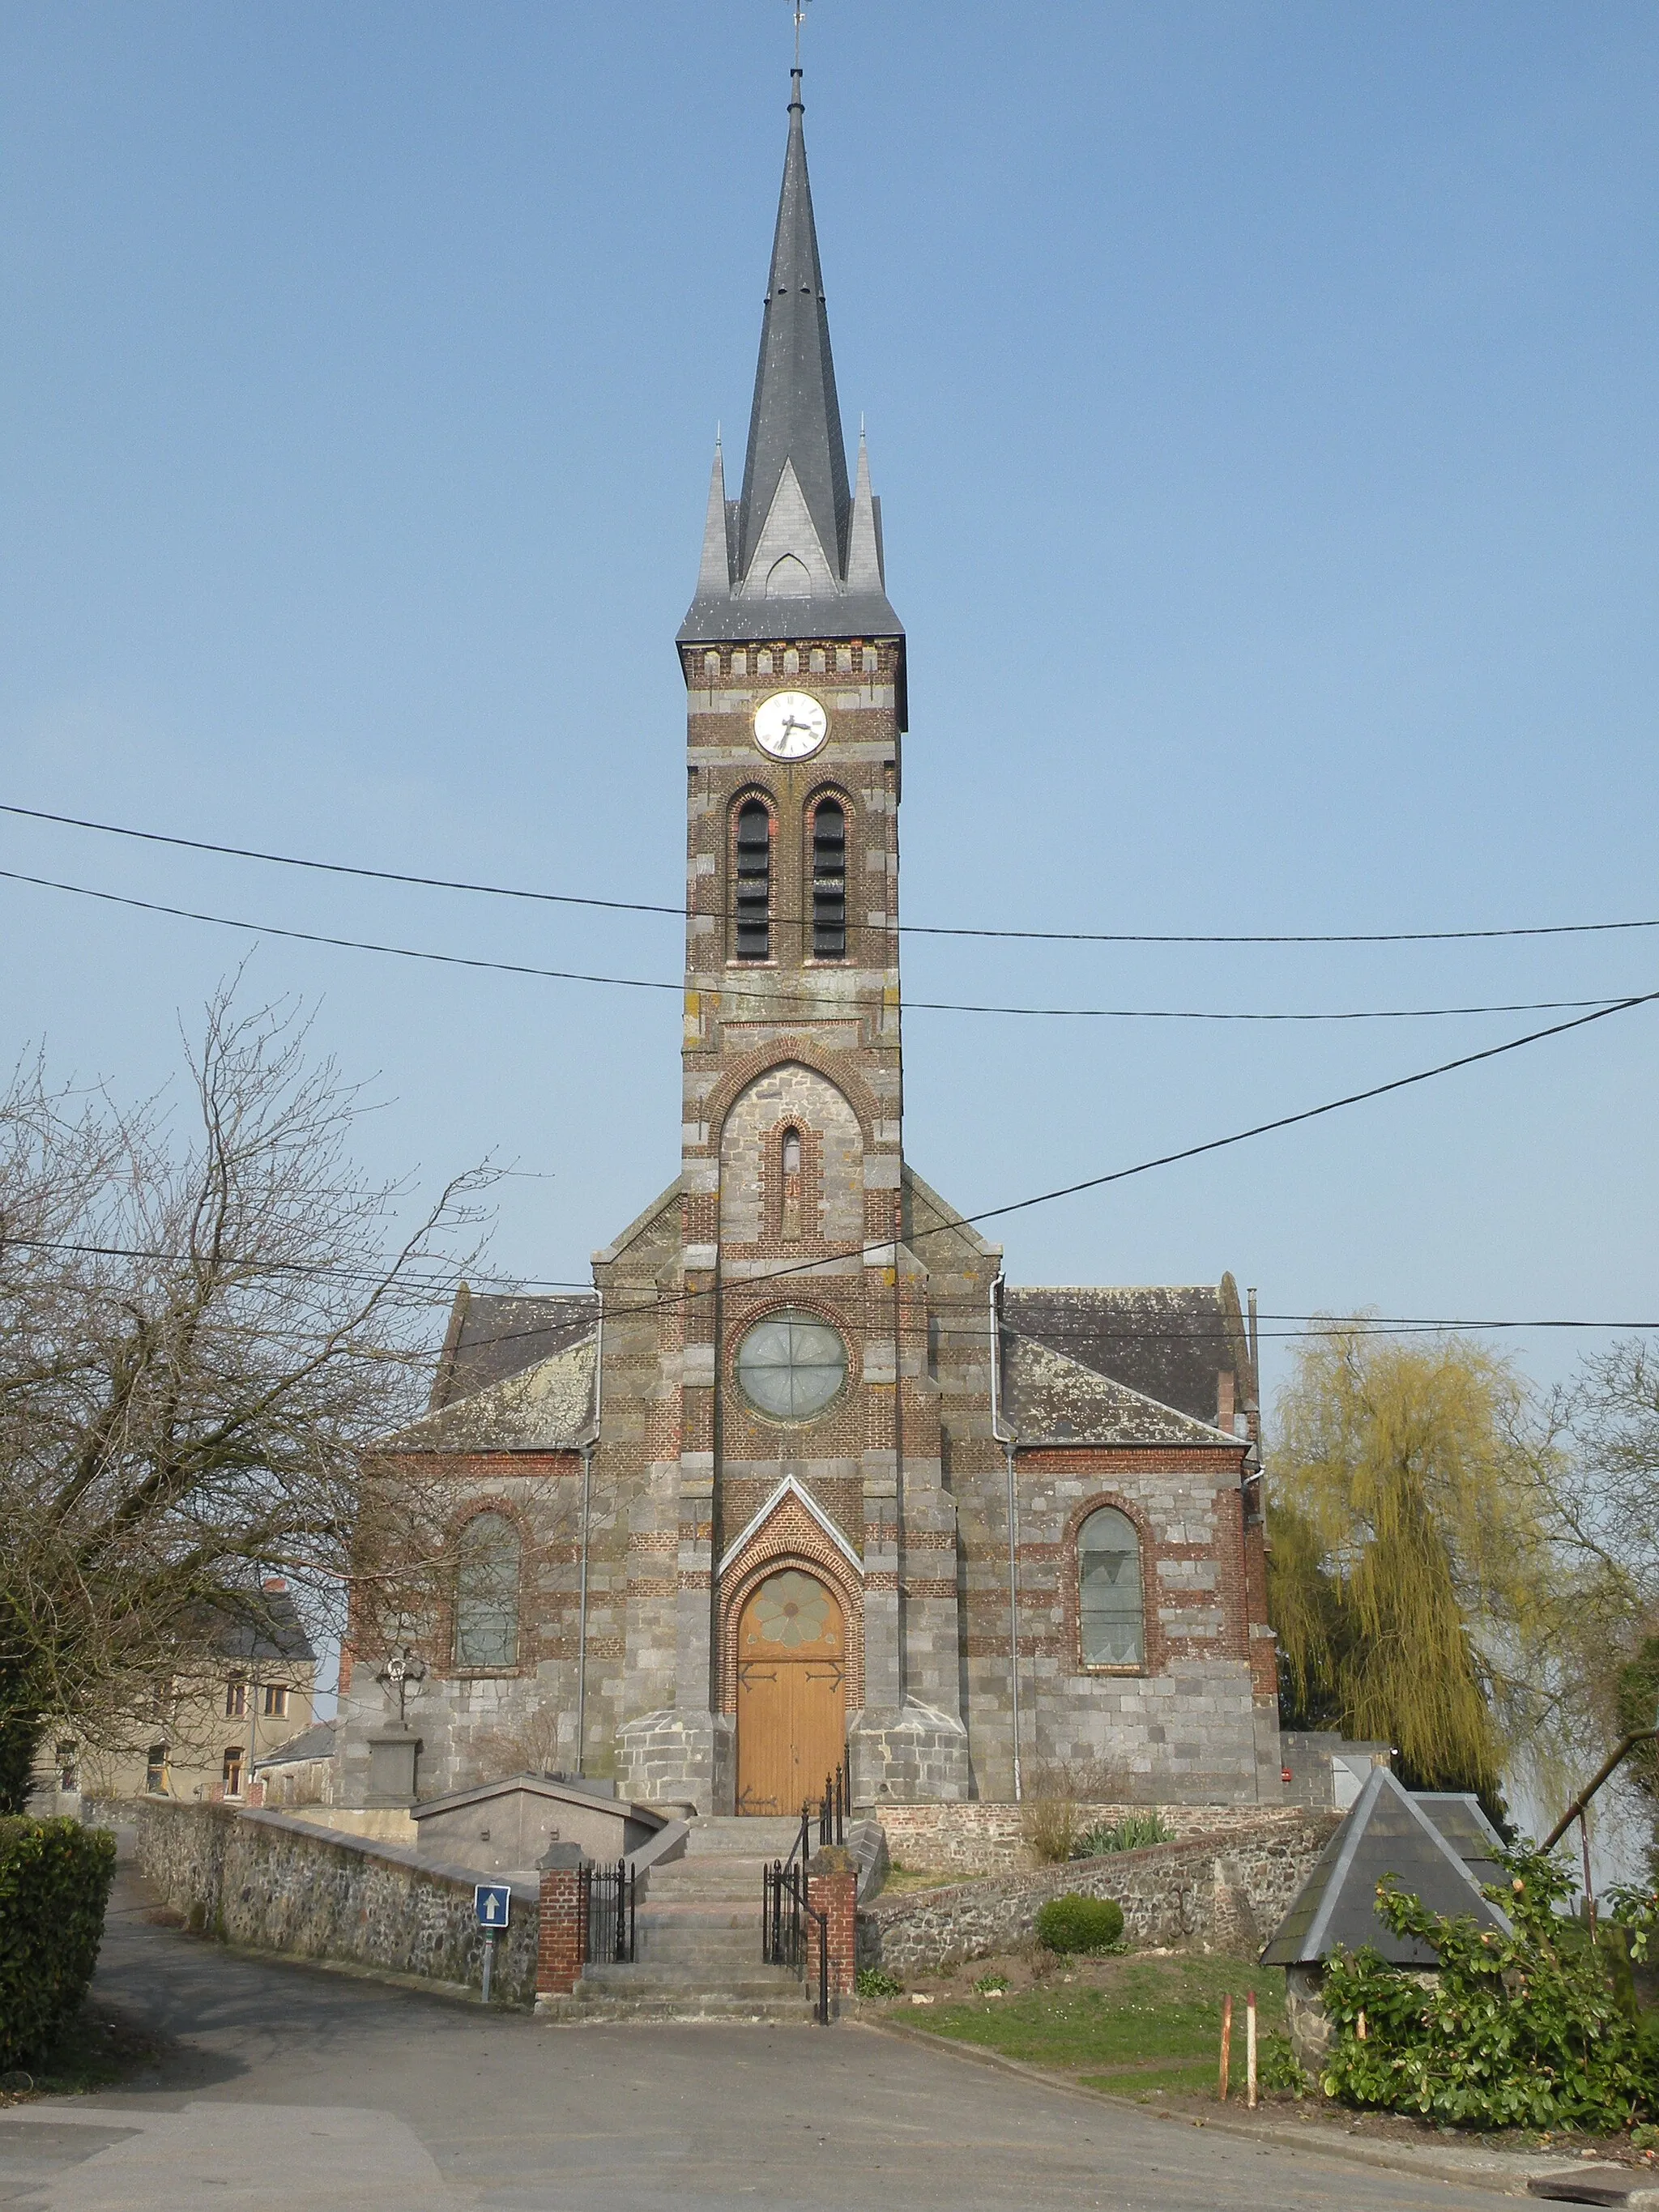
<point x="1137" y="2026"/>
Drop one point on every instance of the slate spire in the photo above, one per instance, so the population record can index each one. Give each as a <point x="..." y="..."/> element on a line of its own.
<point x="796" y="417"/>
<point x="800" y="554"/>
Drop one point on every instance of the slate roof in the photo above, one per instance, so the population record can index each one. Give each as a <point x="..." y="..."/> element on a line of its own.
<point x="796" y="464"/>
<point x="1387" y="1831"/>
<point x="1467" y="1829"/>
<point x="491" y="1337"/>
<point x="545" y="1407"/>
<point x="1055" y="1399"/>
<point x="262" y="1623"/>
<point x="315" y="1742"/>
<point x="1167" y="1343"/>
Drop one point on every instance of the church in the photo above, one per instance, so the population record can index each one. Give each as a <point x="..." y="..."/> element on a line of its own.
<point x="804" y="1479"/>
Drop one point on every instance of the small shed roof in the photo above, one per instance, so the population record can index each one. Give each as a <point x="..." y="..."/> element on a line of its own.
<point x="1387" y="1832"/>
<point x="1458" y="1816"/>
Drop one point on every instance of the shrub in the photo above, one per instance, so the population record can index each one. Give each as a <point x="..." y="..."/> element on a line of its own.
<point x="1525" y="2030"/>
<point x="1079" y="1923"/>
<point x="1133" y="1832"/>
<point x="1276" y="2066"/>
<point x="876" y="1982"/>
<point x="54" y="1884"/>
<point x="1049" y="1824"/>
<point x="992" y="1985"/>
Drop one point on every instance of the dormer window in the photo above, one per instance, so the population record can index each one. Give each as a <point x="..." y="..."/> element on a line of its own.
<point x="752" y="901"/>
<point x="829" y="881"/>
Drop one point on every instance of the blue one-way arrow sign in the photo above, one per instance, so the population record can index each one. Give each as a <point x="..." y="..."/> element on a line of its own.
<point x="491" y="1902"/>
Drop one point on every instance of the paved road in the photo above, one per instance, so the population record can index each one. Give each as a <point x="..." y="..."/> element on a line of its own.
<point x="293" y="2089"/>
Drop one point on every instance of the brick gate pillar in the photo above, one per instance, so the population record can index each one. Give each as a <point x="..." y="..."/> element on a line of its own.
<point x="832" y="1879"/>
<point x="561" y="1933"/>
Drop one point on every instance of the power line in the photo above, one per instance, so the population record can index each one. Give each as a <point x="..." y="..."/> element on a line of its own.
<point x="523" y="1286"/>
<point x="907" y="928"/>
<point x="822" y="1003"/>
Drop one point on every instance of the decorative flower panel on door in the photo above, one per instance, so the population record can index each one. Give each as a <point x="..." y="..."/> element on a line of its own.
<point x="792" y="1692"/>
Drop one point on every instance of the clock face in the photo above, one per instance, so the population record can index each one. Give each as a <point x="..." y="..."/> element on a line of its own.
<point x="790" y="724"/>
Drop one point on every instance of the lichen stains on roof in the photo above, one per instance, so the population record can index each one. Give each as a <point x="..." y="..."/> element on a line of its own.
<point x="1169" y="1343"/>
<point x="545" y="1407"/>
<point x="1053" y="1399"/>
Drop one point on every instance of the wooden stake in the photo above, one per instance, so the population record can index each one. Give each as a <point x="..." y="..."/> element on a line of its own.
<point x="1226" y="2042"/>
<point x="1249" y="2050"/>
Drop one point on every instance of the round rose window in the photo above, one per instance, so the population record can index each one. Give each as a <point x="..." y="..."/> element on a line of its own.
<point x="791" y="1365"/>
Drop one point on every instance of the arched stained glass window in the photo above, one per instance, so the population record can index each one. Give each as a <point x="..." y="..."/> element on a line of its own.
<point x="1109" y="1612"/>
<point x="487" y="1592"/>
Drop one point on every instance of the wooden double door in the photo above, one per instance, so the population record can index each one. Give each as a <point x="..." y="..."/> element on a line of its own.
<point x="792" y="1692"/>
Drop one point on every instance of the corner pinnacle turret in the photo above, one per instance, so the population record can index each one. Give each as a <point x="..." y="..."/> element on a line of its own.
<point x="797" y="534"/>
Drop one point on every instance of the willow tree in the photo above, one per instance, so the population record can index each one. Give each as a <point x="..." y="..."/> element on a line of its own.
<point x="1412" y="1580"/>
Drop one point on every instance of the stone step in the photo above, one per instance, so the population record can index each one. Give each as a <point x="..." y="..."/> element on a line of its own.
<point x="755" y="1980"/>
<point x="707" y="2004"/>
<point x="749" y="1838"/>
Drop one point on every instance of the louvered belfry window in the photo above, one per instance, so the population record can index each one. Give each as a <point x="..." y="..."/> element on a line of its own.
<point x="829" y="881"/>
<point x="752" y="904"/>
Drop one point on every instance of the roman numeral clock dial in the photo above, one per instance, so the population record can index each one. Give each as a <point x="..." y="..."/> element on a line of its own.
<point x="790" y="726"/>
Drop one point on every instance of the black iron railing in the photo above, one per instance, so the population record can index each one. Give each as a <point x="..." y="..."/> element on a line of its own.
<point x="608" y="1914"/>
<point x="826" y="1816"/>
<point x="787" y="1918"/>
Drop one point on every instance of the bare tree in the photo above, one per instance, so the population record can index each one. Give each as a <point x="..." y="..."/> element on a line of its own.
<point x="201" y="1327"/>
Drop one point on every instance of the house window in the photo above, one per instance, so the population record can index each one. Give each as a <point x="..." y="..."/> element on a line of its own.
<point x="276" y="1701"/>
<point x="69" y="1772"/>
<point x="829" y="881"/>
<point x="1109" y="1611"/>
<point x="236" y="1697"/>
<point x="233" y="1770"/>
<point x="487" y="1592"/>
<point x="752" y="904"/>
<point x="156" y="1769"/>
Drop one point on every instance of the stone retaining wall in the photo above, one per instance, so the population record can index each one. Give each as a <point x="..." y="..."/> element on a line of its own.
<point x="1226" y="1890"/>
<point x="988" y="1838"/>
<point x="281" y="1884"/>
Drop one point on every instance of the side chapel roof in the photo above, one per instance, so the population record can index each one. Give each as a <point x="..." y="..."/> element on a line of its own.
<point x="1164" y="1344"/>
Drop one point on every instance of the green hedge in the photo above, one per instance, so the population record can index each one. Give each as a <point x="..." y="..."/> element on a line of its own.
<point x="54" y="1884"/>
<point x="1079" y="1923"/>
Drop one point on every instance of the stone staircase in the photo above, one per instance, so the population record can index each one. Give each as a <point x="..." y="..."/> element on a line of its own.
<point x="697" y="1938"/>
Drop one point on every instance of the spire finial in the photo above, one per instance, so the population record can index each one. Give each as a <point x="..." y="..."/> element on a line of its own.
<point x="800" y="17"/>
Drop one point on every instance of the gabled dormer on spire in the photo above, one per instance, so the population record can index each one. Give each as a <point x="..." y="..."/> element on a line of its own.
<point x="799" y="554"/>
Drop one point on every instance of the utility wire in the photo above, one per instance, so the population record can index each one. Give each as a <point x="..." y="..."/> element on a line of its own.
<point x="905" y="928"/>
<point x="882" y="1246"/>
<point x="524" y="1286"/>
<point x="822" y="1003"/>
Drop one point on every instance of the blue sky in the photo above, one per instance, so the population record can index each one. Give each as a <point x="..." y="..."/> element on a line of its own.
<point x="1263" y="400"/>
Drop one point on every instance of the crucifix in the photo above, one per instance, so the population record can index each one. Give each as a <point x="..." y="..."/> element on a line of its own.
<point x="403" y="1672"/>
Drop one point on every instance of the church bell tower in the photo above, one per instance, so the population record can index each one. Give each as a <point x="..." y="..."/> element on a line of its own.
<point x="798" y="1318"/>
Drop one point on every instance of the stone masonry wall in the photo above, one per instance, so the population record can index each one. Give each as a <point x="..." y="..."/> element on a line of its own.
<point x="1222" y="1891"/>
<point x="980" y="1838"/>
<point x="281" y="1885"/>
